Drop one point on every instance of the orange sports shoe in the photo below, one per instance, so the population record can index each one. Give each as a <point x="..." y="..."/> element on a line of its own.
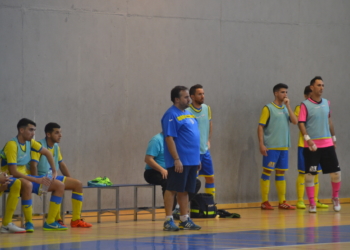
<point x="80" y="223"/>
<point x="266" y="206"/>
<point x="286" y="206"/>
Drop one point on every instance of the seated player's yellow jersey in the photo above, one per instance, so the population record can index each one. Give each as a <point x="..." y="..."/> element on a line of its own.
<point x="264" y="118"/>
<point x="36" y="155"/>
<point x="10" y="154"/>
<point x="301" y="138"/>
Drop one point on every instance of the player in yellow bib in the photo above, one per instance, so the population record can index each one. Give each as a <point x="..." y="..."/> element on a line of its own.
<point x="39" y="165"/>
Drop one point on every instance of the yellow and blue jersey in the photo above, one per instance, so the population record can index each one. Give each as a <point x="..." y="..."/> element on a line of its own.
<point x="15" y="153"/>
<point x="183" y="127"/>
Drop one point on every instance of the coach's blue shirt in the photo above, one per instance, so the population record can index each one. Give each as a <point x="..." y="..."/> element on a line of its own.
<point x="183" y="127"/>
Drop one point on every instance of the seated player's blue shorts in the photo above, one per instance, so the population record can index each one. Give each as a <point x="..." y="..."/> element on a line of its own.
<point x="207" y="169"/>
<point x="36" y="186"/>
<point x="276" y="160"/>
<point x="182" y="182"/>
<point x="301" y="162"/>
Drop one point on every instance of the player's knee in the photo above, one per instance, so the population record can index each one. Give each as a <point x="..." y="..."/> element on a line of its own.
<point x="78" y="183"/>
<point x="309" y="180"/>
<point x="26" y="187"/>
<point x="336" y="177"/>
<point x="267" y="171"/>
<point x="209" y="179"/>
<point x="57" y="185"/>
<point x="280" y="172"/>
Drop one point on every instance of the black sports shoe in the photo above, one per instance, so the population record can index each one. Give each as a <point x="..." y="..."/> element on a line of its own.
<point x="225" y="214"/>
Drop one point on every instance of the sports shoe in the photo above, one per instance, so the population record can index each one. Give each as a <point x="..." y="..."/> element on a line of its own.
<point x="176" y="214"/>
<point x="169" y="225"/>
<point x="266" y="206"/>
<point x="336" y="204"/>
<point x="321" y="205"/>
<point x="55" y="226"/>
<point x="225" y="214"/>
<point x="61" y="223"/>
<point x="80" y="223"/>
<point x="301" y="205"/>
<point x="312" y="209"/>
<point x="11" y="228"/>
<point x="286" y="206"/>
<point x="189" y="225"/>
<point x="29" y="227"/>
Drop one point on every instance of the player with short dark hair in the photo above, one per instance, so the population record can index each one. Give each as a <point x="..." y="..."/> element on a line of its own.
<point x="39" y="165"/>
<point x="317" y="128"/>
<point x="274" y="142"/>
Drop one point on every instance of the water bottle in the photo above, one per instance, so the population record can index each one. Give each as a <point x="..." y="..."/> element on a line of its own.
<point x="44" y="188"/>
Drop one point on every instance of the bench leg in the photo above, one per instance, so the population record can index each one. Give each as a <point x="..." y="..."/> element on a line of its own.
<point x="3" y="204"/>
<point x="135" y="203"/>
<point x="98" y="205"/>
<point x="62" y="209"/>
<point x="153" y="203"/>
<point x="44" y="207"/>
<point x="117" y="205"/>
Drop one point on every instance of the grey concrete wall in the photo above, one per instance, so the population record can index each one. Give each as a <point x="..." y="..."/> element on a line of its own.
<point x="103" y="69"/>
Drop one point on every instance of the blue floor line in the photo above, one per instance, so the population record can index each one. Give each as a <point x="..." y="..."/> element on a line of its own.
<point x="233" y="240"/>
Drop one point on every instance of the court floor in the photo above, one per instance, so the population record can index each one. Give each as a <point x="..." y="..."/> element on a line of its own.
<point x="257" y="229"/>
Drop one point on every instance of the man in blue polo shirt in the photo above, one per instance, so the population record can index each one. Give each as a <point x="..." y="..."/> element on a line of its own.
<point x="182" y="157"/>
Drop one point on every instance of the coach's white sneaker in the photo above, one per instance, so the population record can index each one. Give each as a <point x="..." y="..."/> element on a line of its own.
<point x="312" y="209"/>
<point x="12" y="228"/>
<point x="336" y="204"/>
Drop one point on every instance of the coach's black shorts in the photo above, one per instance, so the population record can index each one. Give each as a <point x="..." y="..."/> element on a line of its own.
<point x="182" y="182"/>
<point x="326" y="157"/>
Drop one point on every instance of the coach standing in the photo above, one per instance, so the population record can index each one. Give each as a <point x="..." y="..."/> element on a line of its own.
<point x="181" y="152"/>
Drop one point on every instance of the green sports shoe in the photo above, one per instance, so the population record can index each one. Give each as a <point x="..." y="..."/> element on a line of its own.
<point x="301" y="205"/>
<point x="321" y="205"/>
<point x="100" y="182"/>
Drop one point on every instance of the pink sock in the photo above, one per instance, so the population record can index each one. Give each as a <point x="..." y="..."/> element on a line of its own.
<point x="310" y="191"/>
<point x="335" y="189"/>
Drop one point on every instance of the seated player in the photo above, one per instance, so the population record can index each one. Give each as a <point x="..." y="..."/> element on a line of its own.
<point x="155" y="171"/>
<point x="13" y="187"/>
<point x="15" y="157"/>
<point x="39" y="165"/>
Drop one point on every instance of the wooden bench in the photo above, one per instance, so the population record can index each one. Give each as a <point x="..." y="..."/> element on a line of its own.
<point x="101" y="210"/>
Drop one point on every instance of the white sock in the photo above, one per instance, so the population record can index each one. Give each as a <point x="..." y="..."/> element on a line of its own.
<point x="168" y="217"/>
<point x="184" y="218"/>
<point x="177" y="206"/>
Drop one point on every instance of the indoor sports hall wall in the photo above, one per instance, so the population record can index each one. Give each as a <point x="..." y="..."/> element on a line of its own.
<point x="103" y="69"/>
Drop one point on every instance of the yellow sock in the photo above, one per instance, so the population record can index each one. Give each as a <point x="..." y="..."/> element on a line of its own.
<point x="55" y="203"/>
<point x="281" y="190"/>
<point x="58" y="216"/>
<point x="265" y="189"/>
<point x="77" y="204"/>
<point x="210" y="191"/>
<point x="317" y="187"/>
<point x="27" y="210"/>
<point x="300" y="187"/>
<point x="12" y="201"/>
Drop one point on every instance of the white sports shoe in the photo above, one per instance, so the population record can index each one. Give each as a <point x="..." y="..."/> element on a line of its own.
<point x="336" y="204"/>
<point x="11" y="228"/>
<point x="312" y="209"/>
